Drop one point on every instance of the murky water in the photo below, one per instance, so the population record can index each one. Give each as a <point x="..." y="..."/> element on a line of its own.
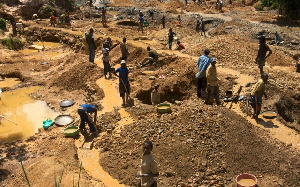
<point x="9" y="82"/>
<point x="27" y="113"/>
<point x="47" y="44"/>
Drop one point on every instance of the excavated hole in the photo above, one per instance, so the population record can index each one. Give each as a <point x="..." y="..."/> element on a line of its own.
<point x="144" y="96"/>
<point x="128" y="23"/>
<point x="166" y="95"/>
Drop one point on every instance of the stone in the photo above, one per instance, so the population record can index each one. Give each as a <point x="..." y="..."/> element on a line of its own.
<point x="151" y="78"/>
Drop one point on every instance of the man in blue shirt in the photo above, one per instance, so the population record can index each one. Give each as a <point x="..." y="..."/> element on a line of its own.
<point x="124" y="86"/>
<point x="83" y="111"/>
<point x="202" y="65"/>
<point x="141" y="24"/>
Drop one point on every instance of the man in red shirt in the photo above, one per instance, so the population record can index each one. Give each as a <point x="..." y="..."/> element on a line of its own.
<point x="180" y="46"/>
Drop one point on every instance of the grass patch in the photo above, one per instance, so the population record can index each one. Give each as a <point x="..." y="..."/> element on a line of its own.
<point x="12" y="43"/>
<point x="3" y="24"/>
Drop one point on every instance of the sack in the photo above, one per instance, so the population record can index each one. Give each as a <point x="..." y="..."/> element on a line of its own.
<point x="200" y="74"/>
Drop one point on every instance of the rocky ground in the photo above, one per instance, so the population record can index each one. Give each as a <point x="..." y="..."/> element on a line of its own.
<point x="195" y="144"/>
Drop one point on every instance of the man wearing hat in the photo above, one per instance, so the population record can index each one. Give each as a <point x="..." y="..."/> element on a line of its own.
<point x="261" y="55"/>
<point x="83" y="112"/>
<point x="124" y="86"/>
<point x="212" y="83"/>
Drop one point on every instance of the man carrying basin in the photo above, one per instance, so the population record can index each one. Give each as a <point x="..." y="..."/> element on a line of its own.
<point x="83" y="111"/>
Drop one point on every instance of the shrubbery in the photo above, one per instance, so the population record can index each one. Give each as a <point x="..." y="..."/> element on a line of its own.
<point x="3" y="24"/>
<point x="289" y="8"/>
<point x="13" y="44"/>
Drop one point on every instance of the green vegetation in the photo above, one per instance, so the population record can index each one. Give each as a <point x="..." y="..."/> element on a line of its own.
<point x="25" y="174"/>
<point x="57" y="182"/>
<point x="3" y="24"/>
<point x="12" y="43"/>
<point x="290" y="8"/>
<point x="49" y="9"/>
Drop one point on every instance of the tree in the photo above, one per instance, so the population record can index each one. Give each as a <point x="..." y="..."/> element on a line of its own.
<point x="290" y="8"/>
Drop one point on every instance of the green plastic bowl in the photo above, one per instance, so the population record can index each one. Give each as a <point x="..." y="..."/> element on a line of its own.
<point x="71" y="131"/>
<point x="163" y="108"/>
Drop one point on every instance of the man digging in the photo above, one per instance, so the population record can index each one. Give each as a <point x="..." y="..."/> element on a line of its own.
<point x="153" y="57"/>
<point x="83" y="111"/>
<point x="124" y="86"/>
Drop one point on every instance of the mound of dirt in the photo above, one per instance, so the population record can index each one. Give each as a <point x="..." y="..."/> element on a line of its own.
<point x="32" y="7"/>
<point x="194" y="7"/>
<point x="123" y="3"/>
<point x="194" y="145"/>
<point x="77" y="76"/>
<point x="288" y="107"/>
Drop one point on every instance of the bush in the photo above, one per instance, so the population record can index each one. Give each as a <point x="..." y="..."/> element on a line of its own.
<point x="259" y="7"/>
<point x="12" y="44"/>
<point x="3" y="24"/>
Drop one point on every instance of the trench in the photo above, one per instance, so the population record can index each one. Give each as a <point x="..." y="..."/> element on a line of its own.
<point x="90" y="158"/>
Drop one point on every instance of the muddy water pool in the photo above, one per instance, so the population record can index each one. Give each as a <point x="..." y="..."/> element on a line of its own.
<point x="27" y="113"/>
<point x="9" y="82"/>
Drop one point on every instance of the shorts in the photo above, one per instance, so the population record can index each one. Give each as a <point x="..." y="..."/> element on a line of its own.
<point x="123" y="89"/>
<point x="259" y="101"/>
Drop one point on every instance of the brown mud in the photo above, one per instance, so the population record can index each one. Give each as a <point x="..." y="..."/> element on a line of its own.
<point x="195" y="144"/>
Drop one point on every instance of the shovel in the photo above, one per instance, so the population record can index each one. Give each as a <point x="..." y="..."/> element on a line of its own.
<point x="130" y="101"/>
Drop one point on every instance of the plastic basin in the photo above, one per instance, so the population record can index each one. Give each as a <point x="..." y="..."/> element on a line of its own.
<point x="163" y="108"/>
<point x="246" y="180"/>
<point x="71" y="131"/>
<point x="270" y="114"/>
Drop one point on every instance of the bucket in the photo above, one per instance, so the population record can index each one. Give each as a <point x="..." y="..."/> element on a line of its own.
<point x="246" y="180"/>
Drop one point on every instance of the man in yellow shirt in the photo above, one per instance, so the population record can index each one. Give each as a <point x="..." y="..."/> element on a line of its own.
<point x="257" y="93"/>
<point x="149" y="168"/>
<point x="212" y="83"/>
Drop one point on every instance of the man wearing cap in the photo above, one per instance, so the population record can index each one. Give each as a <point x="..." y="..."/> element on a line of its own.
<point x="83" y="112"/>
<point x="261" y="55"/>
<point x="257" y="93"/>
<point x="106" y="59"/>
<point x="124" y="86"/>
<point x="212" y="83"/>
<point x="153" y="57"/>
<point x="202" y="65"/>
<point x="92" y="46"/>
